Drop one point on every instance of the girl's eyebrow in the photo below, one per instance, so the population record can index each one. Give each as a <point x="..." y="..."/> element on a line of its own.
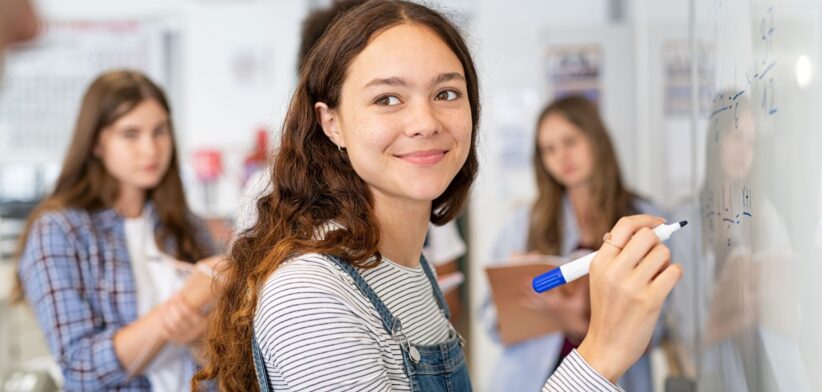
<point x="392" y="81"/>
<point x="447" y="77"/>
<point x="395" y="81"/>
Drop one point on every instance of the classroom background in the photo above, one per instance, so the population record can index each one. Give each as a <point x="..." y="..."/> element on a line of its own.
<point x="667" y="76"/>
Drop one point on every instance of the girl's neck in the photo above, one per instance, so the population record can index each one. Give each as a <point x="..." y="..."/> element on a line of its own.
<point x="581" y="199"/>
<point x="403" y="226"/>
<point x="130" y="202"/>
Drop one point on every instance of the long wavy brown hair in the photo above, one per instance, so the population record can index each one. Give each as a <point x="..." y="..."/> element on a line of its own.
<point x="313" y="182"/>
<point x="611" y="200"/>
<point x="85" y="184"/>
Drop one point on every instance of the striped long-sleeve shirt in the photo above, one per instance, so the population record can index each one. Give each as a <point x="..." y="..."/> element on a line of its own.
<point x="317" y="331"/>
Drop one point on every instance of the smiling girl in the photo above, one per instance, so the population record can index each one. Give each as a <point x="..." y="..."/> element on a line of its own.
<point x="328" y="290"/>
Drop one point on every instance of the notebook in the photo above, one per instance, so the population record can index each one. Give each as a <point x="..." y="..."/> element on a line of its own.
<point x="508" y="281"/>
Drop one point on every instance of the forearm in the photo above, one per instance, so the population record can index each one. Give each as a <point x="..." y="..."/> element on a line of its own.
<point x="139" y="342"/>
<point x="204" y="284"/>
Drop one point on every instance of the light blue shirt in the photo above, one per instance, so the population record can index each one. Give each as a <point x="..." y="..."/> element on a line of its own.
<point x="525" y="366"/>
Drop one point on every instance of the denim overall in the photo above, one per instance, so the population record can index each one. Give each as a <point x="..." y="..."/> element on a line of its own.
<point x="439" y="367"/>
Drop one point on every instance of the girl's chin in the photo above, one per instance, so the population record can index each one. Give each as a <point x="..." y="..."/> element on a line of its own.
<point x="423" y="195"/>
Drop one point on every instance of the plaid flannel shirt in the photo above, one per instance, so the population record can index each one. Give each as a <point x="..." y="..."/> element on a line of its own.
<point x="77" y="276"/>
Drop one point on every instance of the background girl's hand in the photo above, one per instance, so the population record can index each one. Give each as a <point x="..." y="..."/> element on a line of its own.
<point x="736" y="298"/>
<point x="181" y="323"/>
<point x="628" y="288"/>
<point x="569" y="305"/>
<point x="204" y="284"/>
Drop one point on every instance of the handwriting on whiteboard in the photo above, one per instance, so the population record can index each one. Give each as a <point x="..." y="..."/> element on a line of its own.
<point x="727" y="205"/>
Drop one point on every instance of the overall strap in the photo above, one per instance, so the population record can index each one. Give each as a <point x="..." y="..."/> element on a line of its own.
<point x="390" y="323"/>
<point x="435" y="287"/>
<point x="259" y="365"/>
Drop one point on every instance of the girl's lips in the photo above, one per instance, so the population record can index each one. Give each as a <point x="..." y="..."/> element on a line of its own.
<point x="427" y="157"/>
<point x="151" y="168"/>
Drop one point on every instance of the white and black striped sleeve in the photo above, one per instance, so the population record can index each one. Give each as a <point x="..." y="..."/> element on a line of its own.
<point x="312" y="338"/>
<point x="574" y="374"/>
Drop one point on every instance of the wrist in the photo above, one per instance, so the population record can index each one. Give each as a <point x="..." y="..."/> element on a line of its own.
<point x="599" y="362"/>
<point x="158" y="317"/>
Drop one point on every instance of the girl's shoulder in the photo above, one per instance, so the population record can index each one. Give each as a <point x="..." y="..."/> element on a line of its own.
<point x="307" y="285"/>
<point x="69" y="220"/>
<point x="309" y="271"/>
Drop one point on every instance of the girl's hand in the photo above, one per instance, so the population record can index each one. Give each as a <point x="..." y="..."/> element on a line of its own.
<point x="204" y="284"/>
<point x="569" y="305"/>
<point x="628" y="287"/>
<point x="181" y="323"/>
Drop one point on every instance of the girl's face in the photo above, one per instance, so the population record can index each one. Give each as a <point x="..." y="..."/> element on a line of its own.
<point x="566" y="153"/>
<point x="136" y="149"/>
<point x="404" y="116"/>
<point x="737" y="148"/>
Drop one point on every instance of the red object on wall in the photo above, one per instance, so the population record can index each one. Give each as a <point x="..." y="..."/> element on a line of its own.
<point x="208" y="165"/>
<point x="257" y="157"/>
<point x="259" y="154"/>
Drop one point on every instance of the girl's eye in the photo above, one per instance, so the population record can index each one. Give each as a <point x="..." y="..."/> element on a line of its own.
<point x="130" y="134"/>
<point x="447" y="95"/>
<point x="162" y="131"/>
<point x="388" y="100"/>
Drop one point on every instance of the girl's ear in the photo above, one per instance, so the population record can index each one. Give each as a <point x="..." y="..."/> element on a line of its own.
<point x="327" y="118"/>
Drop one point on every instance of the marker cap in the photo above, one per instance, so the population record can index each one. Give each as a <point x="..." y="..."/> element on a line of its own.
<point x="548" y="280"/>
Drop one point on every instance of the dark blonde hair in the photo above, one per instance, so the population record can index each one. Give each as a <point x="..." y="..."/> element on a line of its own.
<point x="611" y="200"/>
<point x="85" y="184"/>
<point x="313" y="182"/>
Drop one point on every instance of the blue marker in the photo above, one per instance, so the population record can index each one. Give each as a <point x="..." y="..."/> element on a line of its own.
<point x="578" y="268"/>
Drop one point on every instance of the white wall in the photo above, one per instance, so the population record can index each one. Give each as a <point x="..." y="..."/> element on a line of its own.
<point x="236" y="71"/>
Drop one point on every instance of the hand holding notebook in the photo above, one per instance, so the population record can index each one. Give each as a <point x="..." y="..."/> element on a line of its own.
<point x="523" y="314"/>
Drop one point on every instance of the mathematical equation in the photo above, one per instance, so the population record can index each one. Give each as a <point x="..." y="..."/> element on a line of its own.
<point x="729" y="204"/>
<point x="727" y="207"/>
<point x="758" y="76"/>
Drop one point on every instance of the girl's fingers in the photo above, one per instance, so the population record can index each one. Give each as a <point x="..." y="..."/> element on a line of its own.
<point x="186" y="310"/>
<point x="662" y="285"/>
<point x="624" y="229"/>
<point x="170" y="320"/>
<point x="180" y="317"/>
<point x="637" y="247"/>
<point x="654" y="262"/>
<point x="173" y="315"/>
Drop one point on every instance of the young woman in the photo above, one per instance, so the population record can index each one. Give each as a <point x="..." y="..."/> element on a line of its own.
<point x="721" y="311"/>
<point x="328" y="290"/>
<point x="107" y="258"/>
<point x="580" y="196"/>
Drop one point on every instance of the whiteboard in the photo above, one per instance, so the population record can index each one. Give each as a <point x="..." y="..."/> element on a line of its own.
<point x="748" y="313"/>
<point x="44" y="82"/>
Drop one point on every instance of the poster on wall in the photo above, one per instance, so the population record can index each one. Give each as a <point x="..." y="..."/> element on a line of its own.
<point x="40" y="101"/>
<point x="575" y="70"/>
<point x="676" y="57"/>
